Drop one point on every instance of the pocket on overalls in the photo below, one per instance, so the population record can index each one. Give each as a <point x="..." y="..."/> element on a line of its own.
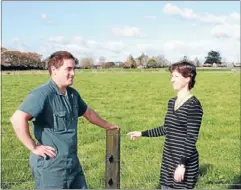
<point x="61" y="121"/>
<point x="35" y="161"/>
<point x="74" y="119"/>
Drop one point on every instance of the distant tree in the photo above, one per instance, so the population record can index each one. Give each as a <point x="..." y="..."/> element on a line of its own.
<point x="160" y="61"/>
<point x="152" y="63"/>
<point x="87" y="62"/>
<point x="138" y="62"/>
<point x="196" y="62"/>
<point x="130" y="62"/>
<point x="20" y="60"/>
<point x="3" y="49"/>
<point x="143" y="59"/>
<point x="185" y="58"/>
<point x="122" y="65"/>
<point x="213" y="57"/>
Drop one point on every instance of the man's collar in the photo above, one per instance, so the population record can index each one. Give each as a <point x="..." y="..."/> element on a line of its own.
<point x="53" y="84"/>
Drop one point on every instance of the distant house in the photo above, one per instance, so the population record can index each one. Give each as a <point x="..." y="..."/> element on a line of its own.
<point x="214" y="65"/>
<point x="207" y="65"/>
<point x="118" y="63"/>
<point x="140" y="67"/>
<point x="98" y="65"/>
<point x="237" y="64"/>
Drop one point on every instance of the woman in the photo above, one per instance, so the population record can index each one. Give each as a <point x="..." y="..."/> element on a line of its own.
<point x="180" y="162"/>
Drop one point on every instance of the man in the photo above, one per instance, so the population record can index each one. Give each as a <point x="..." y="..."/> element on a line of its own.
<point x="54" y="109"/>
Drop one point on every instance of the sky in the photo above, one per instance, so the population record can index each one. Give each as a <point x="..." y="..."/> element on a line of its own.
<point x="117" y="29"/>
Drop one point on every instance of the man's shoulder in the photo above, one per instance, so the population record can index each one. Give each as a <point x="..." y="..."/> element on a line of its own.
<point x="43" y="90"/>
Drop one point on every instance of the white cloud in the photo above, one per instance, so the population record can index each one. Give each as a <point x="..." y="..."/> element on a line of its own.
<point x="219" y="19"/>
<point x="174" y="10"/>
<point x="18" y="44"/>
<point x="173" y="50"/>
<point x="235" y="16"/>
<point x="56" y="43"/>
<point x="91" y="43"/>
<point x="171" y="9"/>
<point x="77" y="48"/>
<point x="50" y="22"/>
<point x="144" y="47"/>
<point x="46" y="19"/>
<point x="113" y="46"/>
<point x="57" y="39"/>
<point x="150" y="17"/>
<point x="44" y="16"/>
<point x="152" y="49"/>
<point x="222" y="26"/>
<point x="207" y="18"/>
<point x="226" y="31"/>
<point x="81" y="47"/>
<point x="127" y="31"/>
<point x="78" y="40"/>
<point x="212" y="19"/>
<point x="177" y="49"/>
<point x="15" y="39"/>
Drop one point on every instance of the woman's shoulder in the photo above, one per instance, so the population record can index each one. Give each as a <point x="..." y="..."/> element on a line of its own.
<point x="171" y="100"/>
<point x="195" y="102"/>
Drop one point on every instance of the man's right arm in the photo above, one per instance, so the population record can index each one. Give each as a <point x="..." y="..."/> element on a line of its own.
<point x="30" y="108"/>
<point x="19" y="121"/>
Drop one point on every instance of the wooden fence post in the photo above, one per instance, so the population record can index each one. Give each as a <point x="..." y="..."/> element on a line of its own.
<point x="112" y="165"/>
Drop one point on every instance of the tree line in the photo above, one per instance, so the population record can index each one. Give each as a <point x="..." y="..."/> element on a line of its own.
<point x="144" y="61"/>
<point x="16" y="60"/>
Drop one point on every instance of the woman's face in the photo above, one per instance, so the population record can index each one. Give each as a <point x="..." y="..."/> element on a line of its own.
<point x="178" y="81"/>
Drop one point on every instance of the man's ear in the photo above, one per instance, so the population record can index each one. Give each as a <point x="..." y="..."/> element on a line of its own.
<point x="53" y="70"/>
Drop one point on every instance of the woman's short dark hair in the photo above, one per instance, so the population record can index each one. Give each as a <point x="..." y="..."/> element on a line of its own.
<point x="186" y="69"/>
<point x="57" y="59"/>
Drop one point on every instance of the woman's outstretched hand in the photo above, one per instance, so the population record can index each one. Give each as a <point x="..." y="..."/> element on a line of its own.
<point x="134" y="134"/>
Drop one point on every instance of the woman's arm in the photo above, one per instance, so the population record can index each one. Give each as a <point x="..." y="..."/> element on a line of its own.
<point x="155" y="132"/>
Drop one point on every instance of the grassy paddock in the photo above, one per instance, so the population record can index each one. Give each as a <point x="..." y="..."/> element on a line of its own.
<point x="37" y="72"/>
<point x="135" y="101"/>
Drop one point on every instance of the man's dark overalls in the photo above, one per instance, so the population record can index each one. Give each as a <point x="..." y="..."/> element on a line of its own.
<point x="55" y="124"/>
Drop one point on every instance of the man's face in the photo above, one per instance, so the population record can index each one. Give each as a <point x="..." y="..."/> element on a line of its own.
<point x="64" y="75"/>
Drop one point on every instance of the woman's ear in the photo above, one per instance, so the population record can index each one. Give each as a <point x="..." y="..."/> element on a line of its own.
<point x="188" y="79"/>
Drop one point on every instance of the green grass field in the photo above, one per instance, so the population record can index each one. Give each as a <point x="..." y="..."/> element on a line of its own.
<point x="134" y="101"/>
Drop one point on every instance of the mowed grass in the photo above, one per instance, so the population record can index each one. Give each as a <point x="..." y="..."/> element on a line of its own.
<point x="134" y="101"/>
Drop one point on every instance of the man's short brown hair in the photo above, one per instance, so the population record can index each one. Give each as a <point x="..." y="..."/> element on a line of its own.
<point x="57" y="59"/>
